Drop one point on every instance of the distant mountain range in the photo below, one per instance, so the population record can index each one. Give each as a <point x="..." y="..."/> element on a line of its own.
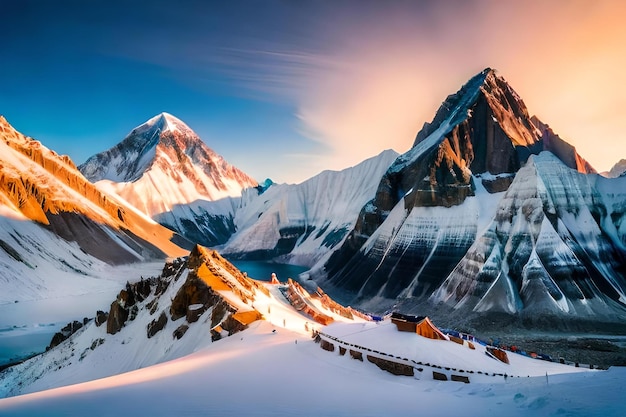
<point x="490" y="219"/>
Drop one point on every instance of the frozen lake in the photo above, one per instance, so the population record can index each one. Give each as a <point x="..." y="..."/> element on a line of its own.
<point x="27" y="327"/>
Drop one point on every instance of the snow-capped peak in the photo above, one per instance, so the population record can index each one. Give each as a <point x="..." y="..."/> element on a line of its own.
<point x="163" y="122"/>
<point x="163" y="165"/>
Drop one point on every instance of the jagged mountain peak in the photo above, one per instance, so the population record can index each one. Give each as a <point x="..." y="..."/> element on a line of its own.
<point x="618" y="170"/>
<point x="165" y="121"/>
<point x="166" y="171"/>
<point x="506" y="108"/>
<point x="161" y="123"/>
<point x="436" y="200"/>
<point x="30" y="147"/>
<point x="137" y="152"/>
<point x="4" y="123"/>
<point x="38" y="184"/>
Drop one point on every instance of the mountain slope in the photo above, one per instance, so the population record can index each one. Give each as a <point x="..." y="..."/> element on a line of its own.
<point x="164" y="170"/>
<point x="555" y="248"/>
<point x="195" y="301"/>
<point x="438" y="198"/>
<point x="37" y="184"/>
<point x="182" y="321"/>
<point x="301" y="223"/>
<point x="618" y="170"/>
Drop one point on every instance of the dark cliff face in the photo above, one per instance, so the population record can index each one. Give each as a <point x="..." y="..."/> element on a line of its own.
<point x="413" y="234"/>
<point x="551" y="142"/>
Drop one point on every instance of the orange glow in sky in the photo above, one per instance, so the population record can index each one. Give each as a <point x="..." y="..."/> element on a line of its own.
<point x="287" y="89"/>
<point x="566" y="60"/>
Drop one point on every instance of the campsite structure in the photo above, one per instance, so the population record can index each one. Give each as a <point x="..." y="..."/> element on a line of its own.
<point x="417" y="324"/>
<point x="413" y="346"/>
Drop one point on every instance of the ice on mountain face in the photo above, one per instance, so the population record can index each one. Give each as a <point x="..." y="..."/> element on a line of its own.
<point x="435" y="238"/>
<point x="613" y="192"/>
<point x="557" y="232"/>
<point x="552" y="253"/>
<point x="301" y="223"/>
<point x="163" y="122"/>
<point x="444" y="166"/>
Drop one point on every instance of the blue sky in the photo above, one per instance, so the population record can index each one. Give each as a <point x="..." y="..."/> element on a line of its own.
<point x="285" y="89"/>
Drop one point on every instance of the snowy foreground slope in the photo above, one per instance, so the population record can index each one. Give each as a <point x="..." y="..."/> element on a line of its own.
<point x="261" y="373"/>
<point x="187" y="363"/>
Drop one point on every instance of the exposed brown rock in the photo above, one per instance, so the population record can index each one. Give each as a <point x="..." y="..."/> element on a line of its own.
<point x="180" y="331"/>
<point x="157" y="325"/>
<point x="498" y="184"/>
<point x="153" y="306"/>
<point x="117" y="317"/>
<point x="101" y="317"/>
<point x="193" y="291"/>
<point x="298" y="296"/>
<point x="64" y="334"/>
<point x="96" y="343"/>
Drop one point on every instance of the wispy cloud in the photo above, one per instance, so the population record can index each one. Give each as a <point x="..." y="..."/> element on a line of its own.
<point x="388" y="76"/>
<point x="366" y="76"/>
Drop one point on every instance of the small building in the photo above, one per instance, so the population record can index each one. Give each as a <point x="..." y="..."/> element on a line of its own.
<point x="420" y="325"/>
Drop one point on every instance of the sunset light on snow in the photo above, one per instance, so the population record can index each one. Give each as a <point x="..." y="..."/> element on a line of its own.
<point x="306" y="86"/>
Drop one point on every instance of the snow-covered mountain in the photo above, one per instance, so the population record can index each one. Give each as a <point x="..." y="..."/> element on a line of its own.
<point x="437" y="202"/>
<point x="302" y="223"/>
<point x="555" y="247"/>
<point x="619" y="169"/>
<point x="54" y="223"/>
<point x="167" y="172"/>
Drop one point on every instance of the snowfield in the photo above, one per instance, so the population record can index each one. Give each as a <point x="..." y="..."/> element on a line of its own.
<point x="264" y="373"/>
